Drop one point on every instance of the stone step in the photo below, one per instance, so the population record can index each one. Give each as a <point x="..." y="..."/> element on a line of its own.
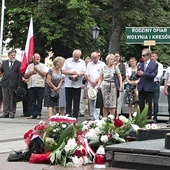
<point x="149" y="154"/>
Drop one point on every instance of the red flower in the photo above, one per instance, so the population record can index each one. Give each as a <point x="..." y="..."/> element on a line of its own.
<point x="80" y="152"/>
<point x="79" y="133"/>
<point x="77" y="153"/>
<point x="118" y="123"/>
<point x="83" y="151"/>
<point x="39" y="127"/>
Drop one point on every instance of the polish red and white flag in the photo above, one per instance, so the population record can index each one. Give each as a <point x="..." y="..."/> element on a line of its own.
<point x="29" y="48"/>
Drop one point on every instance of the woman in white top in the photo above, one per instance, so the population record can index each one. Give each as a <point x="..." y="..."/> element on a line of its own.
<point x="131" y="94"/>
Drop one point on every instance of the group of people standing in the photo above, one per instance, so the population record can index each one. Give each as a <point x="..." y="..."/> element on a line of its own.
<point x="73" y="77"/>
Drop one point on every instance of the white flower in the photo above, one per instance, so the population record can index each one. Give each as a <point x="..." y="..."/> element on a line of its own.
<point x="111" y="117"/>
<point x="54" y="130"/>
<point x="41" y="122"/>
<point x="77" y="161"/>
<point x="100" y="123"/>
<point x="104" y="138"/>
<point x="86" y="160"/>
<point x="91" y="134"/>
<point x="95" y="121"/>
<point x="154" y="126"/>
<point x="134" y="114"/>
<point x="104" y="118"/>
<point x="69" y="164"/>
<point x="123" y="119"/>
<point x="84" y="128"/>
<point x="148" y="126"/>
<point x="71" y="145"/>
<point x="64" y="126"/>
<point x="116" y="136"/>
<point x="97" y="129"/>
<point x="90" y="123"/>
<point x="67" y="148"/>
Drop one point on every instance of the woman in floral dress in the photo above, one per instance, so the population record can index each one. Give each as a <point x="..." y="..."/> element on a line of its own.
<point x="131" y="93"/>
<point x="54" y="81"/>
<point x="108" y="88"/>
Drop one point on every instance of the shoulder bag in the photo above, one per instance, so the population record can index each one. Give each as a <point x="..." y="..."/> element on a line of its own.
<point x="116" y="79"/>
<point x="54" y="94"/>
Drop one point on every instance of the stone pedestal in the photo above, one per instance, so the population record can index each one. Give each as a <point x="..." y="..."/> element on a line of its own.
<point x="167" y="141"/>
<point x="148" y="154"/>
<point x="148" y="134"/>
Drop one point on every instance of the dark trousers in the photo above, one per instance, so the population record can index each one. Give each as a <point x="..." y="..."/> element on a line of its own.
<point x="36" y="95"/>
<point x="169" y="101"/>
<point x="9" y="105"/>
<point x="25" y="103"/>
<point x="72" y="97"/>
<point x="144" y="98"/>
<point x="156" y="99"/>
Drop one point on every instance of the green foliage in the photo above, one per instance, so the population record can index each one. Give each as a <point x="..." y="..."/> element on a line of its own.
<point x="163" y="53"/>
<point x="141" y="117"/>
<point x="68" y="133"/>
<point x="124" y="131"/>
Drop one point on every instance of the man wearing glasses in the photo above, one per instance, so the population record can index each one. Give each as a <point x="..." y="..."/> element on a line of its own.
<point x="147" y="72"/>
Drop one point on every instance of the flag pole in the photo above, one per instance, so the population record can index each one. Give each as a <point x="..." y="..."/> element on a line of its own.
<point x="2" y="26"/>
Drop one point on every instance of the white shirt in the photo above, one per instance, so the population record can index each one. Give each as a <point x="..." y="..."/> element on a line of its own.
<point x="129" y="71"/>
<point x="94" y="70"/>
<point x="36" y="80"/>
<point x="160" y="72"/>
<point x="71" y="65"/>
<point x="146" y="64"/>
<point x="167" y="75"/>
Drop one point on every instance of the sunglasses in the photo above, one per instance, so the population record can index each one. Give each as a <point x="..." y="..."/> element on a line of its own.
<point x="143" y="55"/>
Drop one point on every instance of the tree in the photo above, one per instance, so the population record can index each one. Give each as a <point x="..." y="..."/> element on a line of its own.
<point x="114" y="43"/>
<point x="17" y="18"/>
<point x="65" y="25"/>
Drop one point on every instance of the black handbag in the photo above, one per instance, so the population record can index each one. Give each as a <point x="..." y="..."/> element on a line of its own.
<point x="20" y="94"/>
<point x="117" y="83"/>
<point x="54" y="94"/>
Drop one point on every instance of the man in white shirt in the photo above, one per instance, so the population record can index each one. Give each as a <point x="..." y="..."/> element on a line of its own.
<point x="92" y="74"/>
<point x="156" y="93"/>
<point x="74" y="69"/>
<point x="36" y="73"/>
<point x="167" y="89"/>
<point x="84" y="97"/>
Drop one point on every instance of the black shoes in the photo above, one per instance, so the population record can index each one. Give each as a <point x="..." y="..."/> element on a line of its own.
<point x="5" y="116"/>
<point x="25" y="116"/>
<point x="31" y="117"/>
<point x="81" y="115"/>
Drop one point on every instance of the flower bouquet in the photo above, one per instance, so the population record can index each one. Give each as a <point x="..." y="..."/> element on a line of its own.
<point x="68" y="143"/>
<point x="106" y="131"/>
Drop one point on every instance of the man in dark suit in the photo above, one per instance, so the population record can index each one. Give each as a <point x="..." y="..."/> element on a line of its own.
<point x="10" y="81"/>
<point x="147" y="72"/>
